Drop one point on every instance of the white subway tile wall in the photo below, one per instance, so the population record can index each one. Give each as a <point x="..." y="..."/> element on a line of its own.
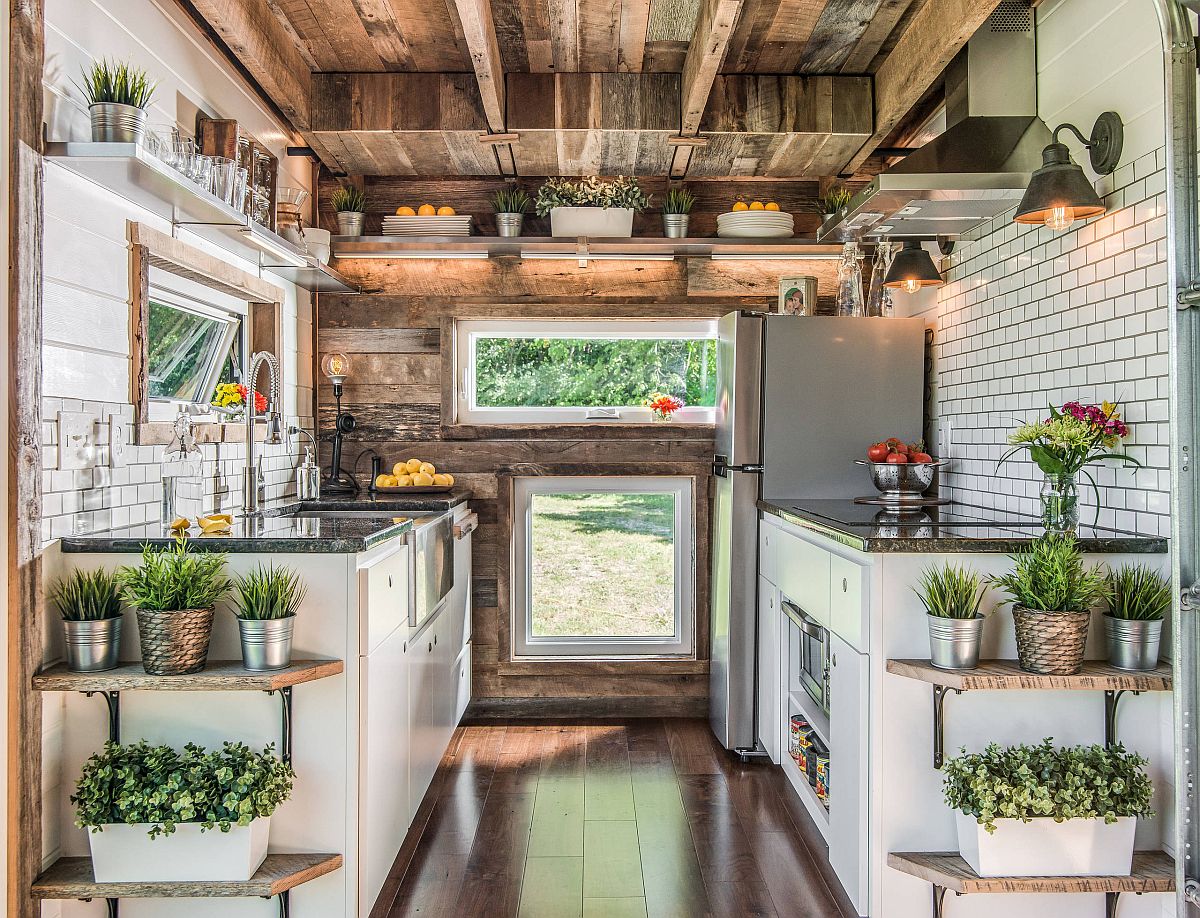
<point x="1030" y="318"/>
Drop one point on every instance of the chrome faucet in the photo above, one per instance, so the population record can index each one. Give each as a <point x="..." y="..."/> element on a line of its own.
<point x="252" y="477"/>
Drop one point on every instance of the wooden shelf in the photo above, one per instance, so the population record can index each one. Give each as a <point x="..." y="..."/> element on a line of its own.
<point x="72" y="878"/>
<point x="218" y="676"/>
<point x="1006" y="675"/>
<point x="1153" y="872"/>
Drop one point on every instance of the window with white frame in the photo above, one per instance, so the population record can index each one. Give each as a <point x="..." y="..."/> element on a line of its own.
<point x="603" y="567"/>
<point x="522" y="371"/>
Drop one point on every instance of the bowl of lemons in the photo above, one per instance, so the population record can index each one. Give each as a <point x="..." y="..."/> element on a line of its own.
<point x="414" y="476"/>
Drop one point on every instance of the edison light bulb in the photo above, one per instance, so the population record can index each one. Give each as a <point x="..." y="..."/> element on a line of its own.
<point x="1060" y="218"/>
<point x="911" y="285"/>
<point x="336" y="367"/>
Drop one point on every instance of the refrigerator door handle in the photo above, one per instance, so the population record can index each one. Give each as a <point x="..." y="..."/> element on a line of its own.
<point x="721" y="467"/>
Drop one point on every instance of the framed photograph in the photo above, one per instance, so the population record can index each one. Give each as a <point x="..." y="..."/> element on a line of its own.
<point x="797" y="296"/>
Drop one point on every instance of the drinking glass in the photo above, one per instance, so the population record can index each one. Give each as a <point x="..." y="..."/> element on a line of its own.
<point x="223" y="173"/>
<point x="202" y="170"/>
<point x="183" y="151"/>
<point x="237" y="197"/>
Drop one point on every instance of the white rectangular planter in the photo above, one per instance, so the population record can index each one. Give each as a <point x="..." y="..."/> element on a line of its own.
<point x="126" y="854"/>
<point x="611" y="222"/>
<point x="1045" y="848"/>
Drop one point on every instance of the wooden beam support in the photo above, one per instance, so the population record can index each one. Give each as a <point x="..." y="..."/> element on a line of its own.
<point x="705" y="55"/>
<point x="480" y="32"/>
<point x="936" y="33"/>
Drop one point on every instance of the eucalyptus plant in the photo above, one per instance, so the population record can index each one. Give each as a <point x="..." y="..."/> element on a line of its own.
<point x="174" y="579"/>
<point x="164" y="787"/>
<point x="1050" y="576"/>
<point x="348" y="199"/>
<point x="511" y="201"/>
<point x="679" y="201"/>
<point x="1058" y="782"/>
<point x="950" y="592"/>
<point x="87" y="596"/>
<point x="1139" y="593"/>
<point x="621" y="192"/>
<point x="116" y="83"/>
<point x="267" y="593"/>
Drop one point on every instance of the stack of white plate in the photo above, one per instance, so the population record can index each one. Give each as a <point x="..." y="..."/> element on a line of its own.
<point x="427" y="226"/>
<point x="755" y="224"/>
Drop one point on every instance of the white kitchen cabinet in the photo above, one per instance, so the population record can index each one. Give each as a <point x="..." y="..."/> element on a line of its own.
<point x="768" y="543"/>
<point x="803" y="575"/>
<point x="770" y="711"/>
<point x="849" y="753"/>
<point x="848" y="609"/>
<point x="462" y="683"/>
<point x="460" y="596"/>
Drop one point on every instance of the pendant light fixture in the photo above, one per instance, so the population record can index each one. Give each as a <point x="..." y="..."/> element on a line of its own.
<point x="912" y="269"/>
<point x="1059" y="193"/>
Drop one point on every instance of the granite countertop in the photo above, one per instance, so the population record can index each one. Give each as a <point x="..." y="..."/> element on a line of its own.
<point x="446" y="501"/>
<point x="948" y="528"/>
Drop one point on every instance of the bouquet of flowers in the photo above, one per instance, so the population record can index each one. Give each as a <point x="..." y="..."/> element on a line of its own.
<point x="663" y="406"/>
<point x="233" y="396"/>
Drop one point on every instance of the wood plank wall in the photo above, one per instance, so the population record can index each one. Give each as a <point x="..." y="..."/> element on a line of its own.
<point x="397" y="336"/>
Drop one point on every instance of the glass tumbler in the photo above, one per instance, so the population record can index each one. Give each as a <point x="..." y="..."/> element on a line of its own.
<point x="237" y="197"/>
<point x="223" y="173"/>
<point x="183" y="151"/>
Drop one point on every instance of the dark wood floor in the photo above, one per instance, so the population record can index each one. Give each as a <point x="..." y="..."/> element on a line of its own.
<point x="643" y="818"/>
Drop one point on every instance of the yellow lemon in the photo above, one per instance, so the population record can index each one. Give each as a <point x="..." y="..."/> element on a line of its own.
<point x="399" y="469"/>
<point x="741" y="205"/>
<point x="449" y="480"/>
<point x="384" y="481"/>
<point x="445" y="211"/>
<point x="179" y="524"/>
<point x="422" y="480"/>
<point x="403" y="481"/>
<point x="771" y="205"/>
<point x="405" y="212"/>
<point x="427" y="468"/>
<point x="426" y="210"/>
<point x="756" y="205"/>
<point x="441" y="481"/>
<point x="414" y="466"/>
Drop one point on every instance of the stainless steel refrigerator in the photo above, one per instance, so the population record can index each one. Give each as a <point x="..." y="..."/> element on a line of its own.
<point x="799" y="398"/>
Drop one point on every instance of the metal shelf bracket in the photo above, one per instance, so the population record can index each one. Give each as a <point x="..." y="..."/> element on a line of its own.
<point x="113" y="700"/>
<point x="1111" y="699"/>
<point x="939" y="900"/>
<point x="285" y="903"/>
<point x="285" y="698"/>
<point x="939" y="725"/>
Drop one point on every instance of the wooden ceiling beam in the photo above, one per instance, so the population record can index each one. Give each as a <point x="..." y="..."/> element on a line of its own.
<point x="705" y="55"/>
<point x="934" y="36"/>
<point x="479" y="30"/>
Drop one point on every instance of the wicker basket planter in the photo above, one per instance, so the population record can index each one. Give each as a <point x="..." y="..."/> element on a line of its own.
<point x="174" y="643"/>
<point x="1051" y="643"/>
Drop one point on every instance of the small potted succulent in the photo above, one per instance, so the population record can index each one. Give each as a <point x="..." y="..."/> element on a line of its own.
<point x="265" y="603"/>
<point x="351" y="206"/>
<point x="156" y="814"/>
<point x="591" y="206"/>
<point x="511" y="205"/>
<point x="951" y="597"/>
<point x="174" y="592"/>
<point x="1052" y="593"/>
<point x="90" y="605"/>
<point x="1139" y="599"/>
<point x="676" y="206"/>
<point x="1048" y="810"/>
<point x="117" y="95"/>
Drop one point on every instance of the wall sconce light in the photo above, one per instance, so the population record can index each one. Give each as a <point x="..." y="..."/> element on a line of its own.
<point x="1059" y="193"/>
<point x="912" y="269"/>
<point x="336" y="368"/>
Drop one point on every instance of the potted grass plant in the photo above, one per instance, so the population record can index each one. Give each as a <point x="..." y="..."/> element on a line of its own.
<point x="351" y="206"/>
<point x="1139" y="599"/>
<point x="117" y="95"/>
<point x="591" y="206"/>
<point x="951" y="596"/>
<point x="1052" y="593"/>
<point x="90" y="605"/>
<point x="265" y="603"/>
<point x="676" y="206"/>
<point x="1048" y="810"/>
<point x="157" y="814"/>
<point x="174" y="592"/>
<point x="511" y="205"/>
<point x="834" y="202"/>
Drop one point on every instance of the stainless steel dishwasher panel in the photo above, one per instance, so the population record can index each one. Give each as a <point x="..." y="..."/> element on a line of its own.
<point x="433" y="565"/>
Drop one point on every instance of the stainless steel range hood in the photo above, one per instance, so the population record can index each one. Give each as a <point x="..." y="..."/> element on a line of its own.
<point x="981" y="164"/>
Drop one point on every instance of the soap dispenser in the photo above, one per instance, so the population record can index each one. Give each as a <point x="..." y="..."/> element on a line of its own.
<point x="308" y="478"/>
<point x="182" y="474"/>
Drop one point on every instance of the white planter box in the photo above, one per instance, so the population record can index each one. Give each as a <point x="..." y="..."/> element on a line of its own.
<point x="612" y="222"/>
<point x="126" y="854"/>
<point x="1045" y="848"/>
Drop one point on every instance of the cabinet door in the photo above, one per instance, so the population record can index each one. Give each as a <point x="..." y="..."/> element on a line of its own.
<point x="445" y="653"/>
<point x="460" y="596"/>
<point x="847" y="606"/>
<point x="803" y="575"/>
<point x="383" y="597"/>
<point x="422" y="693"/>
<point x="849" y="678"/>
<point x="462" y="683"/>
<point x="769" y="696"/>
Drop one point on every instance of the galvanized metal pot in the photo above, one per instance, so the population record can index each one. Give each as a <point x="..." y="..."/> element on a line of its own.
<point x="675" y="226"/>
<point x="174" y="643"/>
<point x="266" y="643"/>
<point x="350" y="223"/>
<point x="92" y="647"/>
<point x="113" y="122"/>
<point x="954" y="642"/>
<point x="1133" y="644"/>
<point x="509" y="224"/>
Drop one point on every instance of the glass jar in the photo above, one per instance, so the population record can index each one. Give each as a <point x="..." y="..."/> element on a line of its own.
<point x="849" y="288"/>
<point x="1060" y="503"/>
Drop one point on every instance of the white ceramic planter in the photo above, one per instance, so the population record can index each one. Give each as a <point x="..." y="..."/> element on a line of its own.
<point x="1045" y="848"/>
<point x="126" y="854"/>
<point x="610" y="222"/>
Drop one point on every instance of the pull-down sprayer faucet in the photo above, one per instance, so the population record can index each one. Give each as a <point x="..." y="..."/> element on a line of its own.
<point x="251" y="481"/>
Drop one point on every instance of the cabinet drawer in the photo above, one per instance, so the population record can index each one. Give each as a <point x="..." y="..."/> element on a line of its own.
<point x="848" y="602"/>
<point x="803" y="575"/>
<point x="384" y="597"/>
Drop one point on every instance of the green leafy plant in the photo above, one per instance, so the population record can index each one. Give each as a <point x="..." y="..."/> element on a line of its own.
<point x="348" y="199"/>
<point x="87" y="596"/>
<point x="1050" y="576"/>
<point x="679" y="201"/>
<point x="268" y="593"/>
<point x="591" y="192"/>
<point x="835" y="200"/>
<point x="164" y="787"/>
<point x="950" y="592"/>
<point x="511" y="201"/>
<point x="118" y="83"/>
<point x="1139" y="593"/>
<point x="174" y="578"/>
<point x="1059" y="782"/>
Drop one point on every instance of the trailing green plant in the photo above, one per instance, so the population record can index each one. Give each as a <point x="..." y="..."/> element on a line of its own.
<point x="620" y="192"/>
<point x="87" y="596"/>
<point x="511" y="201"/>
<point x="1058" y="782"/>
<point x="118" y="83"/>
<point x="175" y="578"/>
<point x="348" y="199"/>
<point x="1139" y="593"/>
<point x="268" y="593"/>
<point x="950" y="592"/>
<point x="836" y="199"/>
<point x="165" y="787"/>
<point x="1050" y="576"/>
<point x="679" y="201"/>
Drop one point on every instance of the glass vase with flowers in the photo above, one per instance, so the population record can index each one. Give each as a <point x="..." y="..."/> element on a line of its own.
<point x="663" y="406"/>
